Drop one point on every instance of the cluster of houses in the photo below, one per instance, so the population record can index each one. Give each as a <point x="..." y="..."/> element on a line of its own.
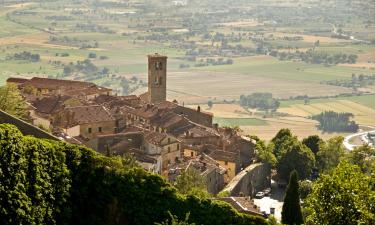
<point x="163" y="136"/>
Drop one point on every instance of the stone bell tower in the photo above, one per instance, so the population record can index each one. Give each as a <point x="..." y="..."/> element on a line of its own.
<point x="157" y="78"/>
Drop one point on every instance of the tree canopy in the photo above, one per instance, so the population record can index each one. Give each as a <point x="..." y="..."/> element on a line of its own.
<point x="12" y="102"/>
<point x="346" y="196"/>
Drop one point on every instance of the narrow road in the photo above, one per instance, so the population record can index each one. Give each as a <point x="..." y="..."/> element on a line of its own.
<point x="347" y="139"/>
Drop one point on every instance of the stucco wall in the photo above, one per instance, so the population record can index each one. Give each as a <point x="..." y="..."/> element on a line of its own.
<point x="252" y="179"/>
<point x="24" y="127"/>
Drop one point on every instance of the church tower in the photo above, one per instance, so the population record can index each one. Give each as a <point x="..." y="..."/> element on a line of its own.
<point x="157" y="78"/>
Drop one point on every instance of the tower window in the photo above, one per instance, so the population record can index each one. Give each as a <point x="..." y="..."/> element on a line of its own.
<point x="156" y="80"/>
<point x="158" y="66"/>
<point x="89" y="130"/>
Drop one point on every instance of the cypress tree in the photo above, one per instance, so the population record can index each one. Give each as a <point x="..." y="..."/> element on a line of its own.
<point x="291" y="213"/>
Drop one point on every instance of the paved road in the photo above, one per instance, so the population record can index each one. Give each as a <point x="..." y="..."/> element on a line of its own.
<point x="347" y="139"/>
<point x="274" y="201"/>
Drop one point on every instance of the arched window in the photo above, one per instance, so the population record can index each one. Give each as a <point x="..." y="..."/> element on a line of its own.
<point x="158" y="66"/>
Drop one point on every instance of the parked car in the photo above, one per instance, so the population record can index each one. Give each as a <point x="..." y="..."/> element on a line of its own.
<point x="259" y="195"/>
<point x="267" y="191"/>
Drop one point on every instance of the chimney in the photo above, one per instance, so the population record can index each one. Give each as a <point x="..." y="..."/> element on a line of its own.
<point x="198" y="109"/>
<point x="216" y="126"/>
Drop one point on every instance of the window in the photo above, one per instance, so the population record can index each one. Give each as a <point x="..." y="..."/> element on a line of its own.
<point x="89" y="130"/>
<point x="178" y="146"/>
<point x="158" y="66"/>
<point x="169" y="140"/>
<point x="226" y="163"/>
<point x="100" y="129"/>
<point x="169" y="149"/>
<point x="192" y="154"/>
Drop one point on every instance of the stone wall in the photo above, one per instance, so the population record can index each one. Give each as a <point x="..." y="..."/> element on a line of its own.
<point x="24" y="127"/>
<point x="249" y="181"/>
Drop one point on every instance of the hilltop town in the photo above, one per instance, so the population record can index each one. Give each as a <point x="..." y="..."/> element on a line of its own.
<point x="164" y="136"/>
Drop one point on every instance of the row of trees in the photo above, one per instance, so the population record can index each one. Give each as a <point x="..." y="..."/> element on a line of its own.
<point x="286" y="153"/>
<point x="28" y="56"/>
<point x="315" y="57"/>
<point x="330" y="121"/>
<point x="48" y="182"/>
<point x="263" y="101"/>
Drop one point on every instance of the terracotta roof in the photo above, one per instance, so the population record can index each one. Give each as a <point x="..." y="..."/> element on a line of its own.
<point x="147" y="111"/>
<point x="112" y="101"/>
<point x="155" y="137"/>
<point x="168" y="120"/>
<point x="224" y="156"/>
<point x="167" y="104"/>
<point x="75" y="87"/>
<point x="39" y="82"/>
<point x="17" y="80"/>
<point x="243" y="205"/>
<point x="87" y="114"/>
<point x="141" y="156"/>
<point x="50" y="104"/>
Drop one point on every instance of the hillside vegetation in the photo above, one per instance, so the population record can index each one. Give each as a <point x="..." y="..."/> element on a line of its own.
<point x="48" y="182"/>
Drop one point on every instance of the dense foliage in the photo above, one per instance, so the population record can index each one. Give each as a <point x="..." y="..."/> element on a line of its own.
<point x="48" y="182"/>
<point x="291" y="213"/>
<point x="263" y="101"/>
<point x="24" y="56"/>
<point x="345" y="196"/>
<point x="333" y="121"/>
<point x="12" y="102"/>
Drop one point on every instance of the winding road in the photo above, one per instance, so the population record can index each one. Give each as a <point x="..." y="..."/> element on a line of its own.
<point x="347" y="139"/>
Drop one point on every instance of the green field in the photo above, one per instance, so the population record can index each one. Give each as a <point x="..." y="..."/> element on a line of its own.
<point x="366" y="100"/>
<point x="239" y="121"/>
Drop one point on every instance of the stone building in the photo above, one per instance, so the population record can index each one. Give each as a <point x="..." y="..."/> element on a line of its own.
<point x="86" y="121"/>
<point x="157" y="79"/>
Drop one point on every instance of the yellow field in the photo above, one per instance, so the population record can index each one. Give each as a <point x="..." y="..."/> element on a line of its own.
<point x="242" y="23"/>
<point x="362" y="114"/>
<point x="310" y="38"/>
<point x="300" y="128"/>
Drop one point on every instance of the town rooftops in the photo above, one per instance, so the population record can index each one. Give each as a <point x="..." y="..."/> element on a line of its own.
<point x="55" y="84"/>
<point x="224" y="156"/>
<point x="16" y="80"/>
<point x="156" y="138"/>
<point x="49" y="105"/>
<point x="86" y="114"/>
<point x="243" y="205"/>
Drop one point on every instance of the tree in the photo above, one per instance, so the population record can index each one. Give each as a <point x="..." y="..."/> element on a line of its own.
<point x="92" y="55"/>
<point x="12" y="102"/>
<point x="291" y="213"/>
<point x="345" y="196"/>
<point x="190" y="182"/>
<point x="330" y="154"/>
<point x="175" y="221"/>
<point x="313" y="142"/>
<point x="295" y="156"/>
<point x="281" y="137"/>
<point x="264" y="153"/>
<point x="210" y="103"/>
<point x="364" y="157"/>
